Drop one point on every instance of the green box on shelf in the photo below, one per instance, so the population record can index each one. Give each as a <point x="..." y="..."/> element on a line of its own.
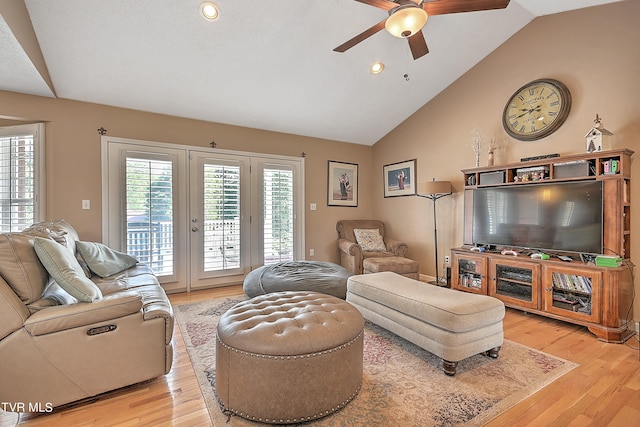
<point x="608" y="261"/>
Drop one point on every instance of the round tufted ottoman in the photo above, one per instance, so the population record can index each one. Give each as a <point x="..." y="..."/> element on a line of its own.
<point x="289" y="357"/>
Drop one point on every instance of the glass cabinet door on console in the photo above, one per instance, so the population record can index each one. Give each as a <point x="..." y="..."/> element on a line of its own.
<point x="573" y="293"/>
<point x="470" y="273"/>
<point x="515" y="283"/>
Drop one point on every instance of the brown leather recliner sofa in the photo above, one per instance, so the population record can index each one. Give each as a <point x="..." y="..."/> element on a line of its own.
<point x="55" y="349"/>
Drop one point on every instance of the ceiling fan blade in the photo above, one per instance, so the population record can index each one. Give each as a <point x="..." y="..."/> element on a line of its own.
<point x="418" y="45"/>
<point x="360" y="37"/>
<point x="382" y="4"/>
<point x="441" y="7"/>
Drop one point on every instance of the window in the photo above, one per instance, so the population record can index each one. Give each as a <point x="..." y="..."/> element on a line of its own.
<point x="20" y="176"/>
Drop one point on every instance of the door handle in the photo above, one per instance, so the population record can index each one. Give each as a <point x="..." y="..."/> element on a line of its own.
<point x="194" y="229"/>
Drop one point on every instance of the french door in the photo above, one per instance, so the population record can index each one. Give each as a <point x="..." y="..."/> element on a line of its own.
<point x="274" y="203"/>
<point x="201" y="218"/>
<point x="219" y="218"/>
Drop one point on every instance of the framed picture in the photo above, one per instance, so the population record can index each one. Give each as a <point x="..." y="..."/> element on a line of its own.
<point x="400" y="178"/>
<point x="342" y="186"/>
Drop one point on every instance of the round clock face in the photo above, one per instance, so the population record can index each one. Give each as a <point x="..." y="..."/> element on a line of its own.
<point x="536" y="110"/>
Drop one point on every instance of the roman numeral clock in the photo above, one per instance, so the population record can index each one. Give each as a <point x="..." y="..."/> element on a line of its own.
<point x="536" y="110"/>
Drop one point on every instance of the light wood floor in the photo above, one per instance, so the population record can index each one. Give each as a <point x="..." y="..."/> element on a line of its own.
<point x="603" y="391"/>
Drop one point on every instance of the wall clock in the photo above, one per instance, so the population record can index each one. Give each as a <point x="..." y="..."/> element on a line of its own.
<point x="536" y="110"/>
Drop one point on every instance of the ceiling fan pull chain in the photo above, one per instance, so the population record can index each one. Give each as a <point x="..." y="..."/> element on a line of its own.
<point x="407" y="63"/>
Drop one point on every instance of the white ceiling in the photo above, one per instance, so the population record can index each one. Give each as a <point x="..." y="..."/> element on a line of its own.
<point x="262" y="64"/>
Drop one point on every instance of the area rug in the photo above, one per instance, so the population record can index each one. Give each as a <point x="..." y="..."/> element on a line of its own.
<point x="402" y="384"/>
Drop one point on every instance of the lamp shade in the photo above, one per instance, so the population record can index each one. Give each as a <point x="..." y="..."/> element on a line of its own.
<point x="434" y="187"/>
<point x="406" y="21"/>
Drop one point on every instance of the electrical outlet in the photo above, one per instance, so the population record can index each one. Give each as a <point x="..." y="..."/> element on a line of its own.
<point x="447" y="261"/>
<point x="312" y="252"/>
<point x="637" y="327"/>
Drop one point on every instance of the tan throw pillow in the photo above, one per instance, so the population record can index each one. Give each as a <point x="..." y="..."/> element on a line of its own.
<point x="369" y="240"/>
<point x="103" y="260"/>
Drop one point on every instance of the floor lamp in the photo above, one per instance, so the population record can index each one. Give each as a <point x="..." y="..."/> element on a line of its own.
<point x="435" y="190"/>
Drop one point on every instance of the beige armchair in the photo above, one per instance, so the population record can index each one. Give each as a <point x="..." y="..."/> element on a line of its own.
<point x="351" y="254"/>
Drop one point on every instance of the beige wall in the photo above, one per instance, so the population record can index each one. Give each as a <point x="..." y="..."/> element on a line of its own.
<point x="593" y="51"/>
<point x="73" y="159"/>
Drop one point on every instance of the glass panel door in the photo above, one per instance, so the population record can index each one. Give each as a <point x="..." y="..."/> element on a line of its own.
<point x="573" y="292"/>
<point x="219" y="229"/>
<point x="144" y="212"/>
<point x="277" y="211"/>
<point x="469" y="273"/>
<point x="221" y="217"/>
<point x="515" y="282"/>
<point x="278" y="224"/>
<point x="149" y="211"/>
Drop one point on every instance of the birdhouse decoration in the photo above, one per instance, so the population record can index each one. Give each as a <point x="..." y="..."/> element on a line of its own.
<point x="598" y="138"/>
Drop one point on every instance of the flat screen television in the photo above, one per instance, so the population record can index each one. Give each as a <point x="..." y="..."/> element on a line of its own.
<point x="563" y="217"/>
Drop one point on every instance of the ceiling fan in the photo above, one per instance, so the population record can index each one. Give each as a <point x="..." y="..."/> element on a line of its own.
<point x="407" y="17"/>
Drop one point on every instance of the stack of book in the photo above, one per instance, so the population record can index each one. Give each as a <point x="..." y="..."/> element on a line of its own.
<point x="571" y="282"/>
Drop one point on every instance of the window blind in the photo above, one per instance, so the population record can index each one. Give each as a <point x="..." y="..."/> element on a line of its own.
<point x="221" y="217"/>
<point x="278" y="215"/>
<point x="17" y="182"/>
<point x="149" y="210"/>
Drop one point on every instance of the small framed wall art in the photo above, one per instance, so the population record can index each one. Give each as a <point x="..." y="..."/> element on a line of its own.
<point x="342" y="185"/>
<point x="400" y="179"/>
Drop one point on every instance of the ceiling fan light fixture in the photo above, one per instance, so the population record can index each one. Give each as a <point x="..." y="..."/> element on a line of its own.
<point x="405" y="21"/>
<point x="376" y="68"/>
<point x="208" y="10"/>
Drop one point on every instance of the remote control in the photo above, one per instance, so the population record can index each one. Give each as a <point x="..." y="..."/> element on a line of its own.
<point x="565" y="258"/>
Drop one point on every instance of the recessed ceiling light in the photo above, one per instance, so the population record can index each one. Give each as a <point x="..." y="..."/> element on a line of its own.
<point x="208" y="10"/>
<point x="377" y="68"/>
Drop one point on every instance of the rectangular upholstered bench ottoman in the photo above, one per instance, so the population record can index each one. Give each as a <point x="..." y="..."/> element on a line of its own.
<point x="453" y="325"/>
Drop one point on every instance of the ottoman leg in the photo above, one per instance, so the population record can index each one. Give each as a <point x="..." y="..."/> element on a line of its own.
<point x="449" y="368"/>
<point x="493" y="353"/>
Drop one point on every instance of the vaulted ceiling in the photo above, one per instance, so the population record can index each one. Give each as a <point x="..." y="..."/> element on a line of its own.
<point x="262" y="64"/>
